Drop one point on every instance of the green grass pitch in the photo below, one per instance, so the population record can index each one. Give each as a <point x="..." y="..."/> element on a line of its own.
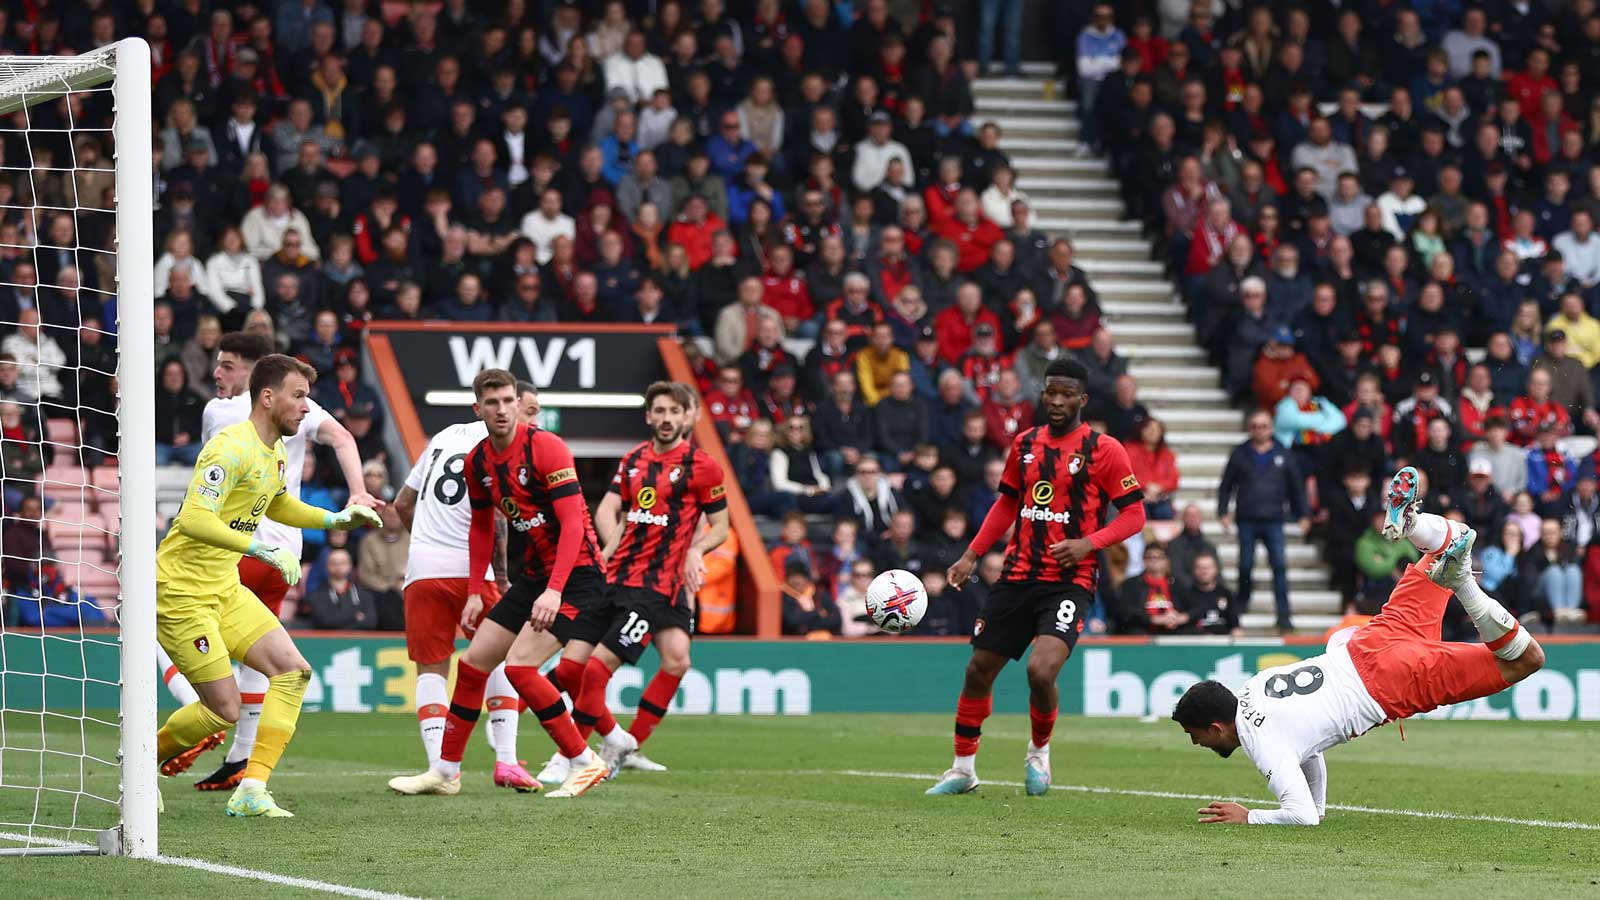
<point x="762" y="807"/>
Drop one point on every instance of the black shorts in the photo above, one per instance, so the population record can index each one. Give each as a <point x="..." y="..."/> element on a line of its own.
<point x="638" y="615"/>
<point x="583" y="607"/>
<point x="1015" y="612"/>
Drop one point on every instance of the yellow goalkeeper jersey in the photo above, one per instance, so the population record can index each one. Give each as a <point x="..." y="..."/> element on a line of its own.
<point x="236" y="477"/>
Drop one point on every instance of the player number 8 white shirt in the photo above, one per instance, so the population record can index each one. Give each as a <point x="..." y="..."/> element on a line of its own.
<point x="443" y="516"/>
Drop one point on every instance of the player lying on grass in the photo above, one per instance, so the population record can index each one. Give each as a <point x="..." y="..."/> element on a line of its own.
<point x="433" y="505"/>
<point x="205" y="617"/>
<point x="556" y="584"/>
<point x="1391" y="668"/>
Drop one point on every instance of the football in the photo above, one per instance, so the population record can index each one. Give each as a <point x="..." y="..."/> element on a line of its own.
<point x="896" y="601"/>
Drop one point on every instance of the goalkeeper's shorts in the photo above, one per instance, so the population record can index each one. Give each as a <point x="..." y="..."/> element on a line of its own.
<point x="203" y="635"/>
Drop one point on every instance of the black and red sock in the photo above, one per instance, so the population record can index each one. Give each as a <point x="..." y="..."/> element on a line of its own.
<point x="589" y="710"/>
<point x="465" y="706"/>
<point x="970" y="713"/>
<point x="653" y="705"/>
<point x="1043" y="723"/>
<point x="546" y="703"/>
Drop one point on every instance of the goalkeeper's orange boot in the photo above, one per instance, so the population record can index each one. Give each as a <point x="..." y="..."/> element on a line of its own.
<point x="225" y="778"/>
<point x="180" y="763"/>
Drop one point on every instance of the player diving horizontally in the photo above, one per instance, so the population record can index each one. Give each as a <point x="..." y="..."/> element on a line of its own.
<point x="205" y="618"/>
<point x="1391" y="668"/>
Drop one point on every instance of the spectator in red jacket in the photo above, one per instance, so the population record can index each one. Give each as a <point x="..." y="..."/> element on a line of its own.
<point x="1536" y="408"/>
<point x="1077" y="320"/>
<point x="981" y="366"/>
<point x="957" y="323"/>
<point x="1007" y="411"/>
<point x="694" y="228"/>
<point x="1156" y="467"/>
<point x="1211" y="237"/>
<point x="731" y="405"/>
<point x="1278" y="366"/>
<point x="784" y="289"/>
<point x="940" y="197"/>
<point x="972" y="234"/>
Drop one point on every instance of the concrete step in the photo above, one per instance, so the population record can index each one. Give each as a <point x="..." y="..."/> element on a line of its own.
<point x="1100" y="265"/>
<point x="1103" y="207"/>
<point x="1185" y="440"/>
<point x="1044" y="165"/>
<point x="1181" y="417"/>
<point x="1014" y="127"/>
<point x="1136" y="290"/>
<point x="1082" y="227"/>
<point x="1305" y="556"/>
<point x="1118" y="248"/>
<point x="1018" y="88"/>
<point x="1067" y="188"/>
<point x="1176" y="377"/>
<point x="1165" y="353"/>
<point x="1122" y="304"/>
<point x="1300" y="577"/>
<point x="1304" y="622"/>
<point x="1213" y="530"/>
<point x="1193" y="396"/>
<point x="991" y="103"/>
<point x="1041" y="145"/>
<point x="1156" y="333"/>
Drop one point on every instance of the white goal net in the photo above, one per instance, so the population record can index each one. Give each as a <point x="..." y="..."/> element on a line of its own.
<point x="77" y="365"/>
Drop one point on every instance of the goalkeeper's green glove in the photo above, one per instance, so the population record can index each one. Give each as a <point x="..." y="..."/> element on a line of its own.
<point x="287" y="564"/>
<point x="351" y="517"/>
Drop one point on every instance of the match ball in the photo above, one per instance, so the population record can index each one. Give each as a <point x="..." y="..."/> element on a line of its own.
<point x="896" y="600"/>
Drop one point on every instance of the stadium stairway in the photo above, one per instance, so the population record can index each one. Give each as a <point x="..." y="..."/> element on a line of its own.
<point x="1074" y="196"/>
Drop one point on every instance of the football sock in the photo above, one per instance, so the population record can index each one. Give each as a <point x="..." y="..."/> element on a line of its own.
<point x="178" y="685"/>
<point x="466" y="704"/>
<point x="185" y="728"/>
<point x="589" y="710"/>
<point x="279" y="713"/>
<point x="252" y="693"/>
<point x="433" y="699"/>
<point x="567" y="676"/>
<point x="1430" y="533"/>
<point x="546" y="703"/>
<point x="1044" y="724"/>
<point x="1499" y="629"/>
<point x="970" y="713"/>
<point x="653" y="704"/>
<point x="505" y="708"/>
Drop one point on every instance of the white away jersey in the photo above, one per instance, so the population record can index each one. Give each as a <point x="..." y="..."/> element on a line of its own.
<point x="443" y="517"/>
<point x="220" y="413"/>
<point x="1289" y="714"/>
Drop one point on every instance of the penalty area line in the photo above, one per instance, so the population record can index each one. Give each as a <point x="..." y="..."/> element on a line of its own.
<point x="1175" y="795"/>
<point x="293" y="881"/>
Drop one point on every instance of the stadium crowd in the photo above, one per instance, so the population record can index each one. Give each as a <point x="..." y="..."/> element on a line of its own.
<point x="772" y="173"/>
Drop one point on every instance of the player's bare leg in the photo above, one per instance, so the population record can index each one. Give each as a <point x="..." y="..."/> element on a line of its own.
<point x="185" y="694"/>
<point x="197" y="726"/>
<point x="585" y="768"/>
<point x="1517" y="654"/>
<point x="1044" y="665"/>
<point x="288" y="676"/>
<point x="487" y="650"/>
<point x="974" y="705"/>
<point x="252" y="692"/>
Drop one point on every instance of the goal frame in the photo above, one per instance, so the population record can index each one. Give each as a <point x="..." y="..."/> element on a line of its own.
<point x="135" y="833"/>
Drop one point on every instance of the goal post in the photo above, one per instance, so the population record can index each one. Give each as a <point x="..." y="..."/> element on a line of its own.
<point x="78" y="672"/>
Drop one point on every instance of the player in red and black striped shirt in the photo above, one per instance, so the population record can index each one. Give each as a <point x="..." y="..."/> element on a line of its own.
<point x="650" y="515"/>
<point x="529" y="476"/>
<point x="1060" y="481"/>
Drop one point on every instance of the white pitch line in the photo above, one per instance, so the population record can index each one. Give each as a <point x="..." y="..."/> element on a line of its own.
<point x="1174" y="795"/>
<point x="185" y="862"/>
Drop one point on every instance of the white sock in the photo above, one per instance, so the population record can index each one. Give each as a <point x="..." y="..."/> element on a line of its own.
<point x="1493" y="620"/>
<point x="177" y="685"/>
<point x="252" y="783"/>
<point x="432" y="697"/>
<point x="1035" y="748"/>
<point x="614" y="736"/>
<point x="252" y="689"/>
<point x="968" y="764"/>
<point x="582" y="759"/>
<point x="1431" y="532"/>
<point x="504" y="713"/>
<point x="446" y="768"/>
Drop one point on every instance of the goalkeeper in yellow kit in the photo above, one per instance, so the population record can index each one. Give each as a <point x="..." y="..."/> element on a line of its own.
<point x="204" y="617"/>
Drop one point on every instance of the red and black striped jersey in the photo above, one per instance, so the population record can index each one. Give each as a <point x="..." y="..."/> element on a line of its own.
<point x="523" y="482"/>
<point x="663" y="495"/>
<point x="1062" y="485"/>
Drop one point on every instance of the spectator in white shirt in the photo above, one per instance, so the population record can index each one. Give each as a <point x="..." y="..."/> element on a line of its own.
<point x="548" y="222"/>
<point x="874" y="153"/>
<point x="999" y="196"/>
<point x="39" y="358"/>
<point x="637" y="72"/>
<point x="1580" y="249"/>
<point x="1399" y="205"/>
<point x="1323" y="155"/>
<point x="232" y="274"/>
<point x="1460" y="44"/>
<point x="263" y="227"/>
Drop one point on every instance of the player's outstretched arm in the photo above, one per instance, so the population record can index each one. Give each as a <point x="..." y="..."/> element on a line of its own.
<point x="292" y="512"/>
<point x="1288" y="780"/>
<point x="333" y="434"/>
<point x="999" y="518"/>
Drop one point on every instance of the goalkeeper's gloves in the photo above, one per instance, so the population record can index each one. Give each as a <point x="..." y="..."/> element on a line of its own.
<point x="351" y="517"/>
<point x="287" y="564"/>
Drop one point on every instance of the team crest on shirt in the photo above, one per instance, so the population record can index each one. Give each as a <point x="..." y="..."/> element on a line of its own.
<point x="675" y="474"/>
<point x="202" y="644"/>
<point x="977" y="628"/>
<point x="1028" y="457"/>
<point x="1075" y="463"/>
<point x="522" y="475"/>
<point x="632" y="471"/>
<point x="280" y="470"/>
